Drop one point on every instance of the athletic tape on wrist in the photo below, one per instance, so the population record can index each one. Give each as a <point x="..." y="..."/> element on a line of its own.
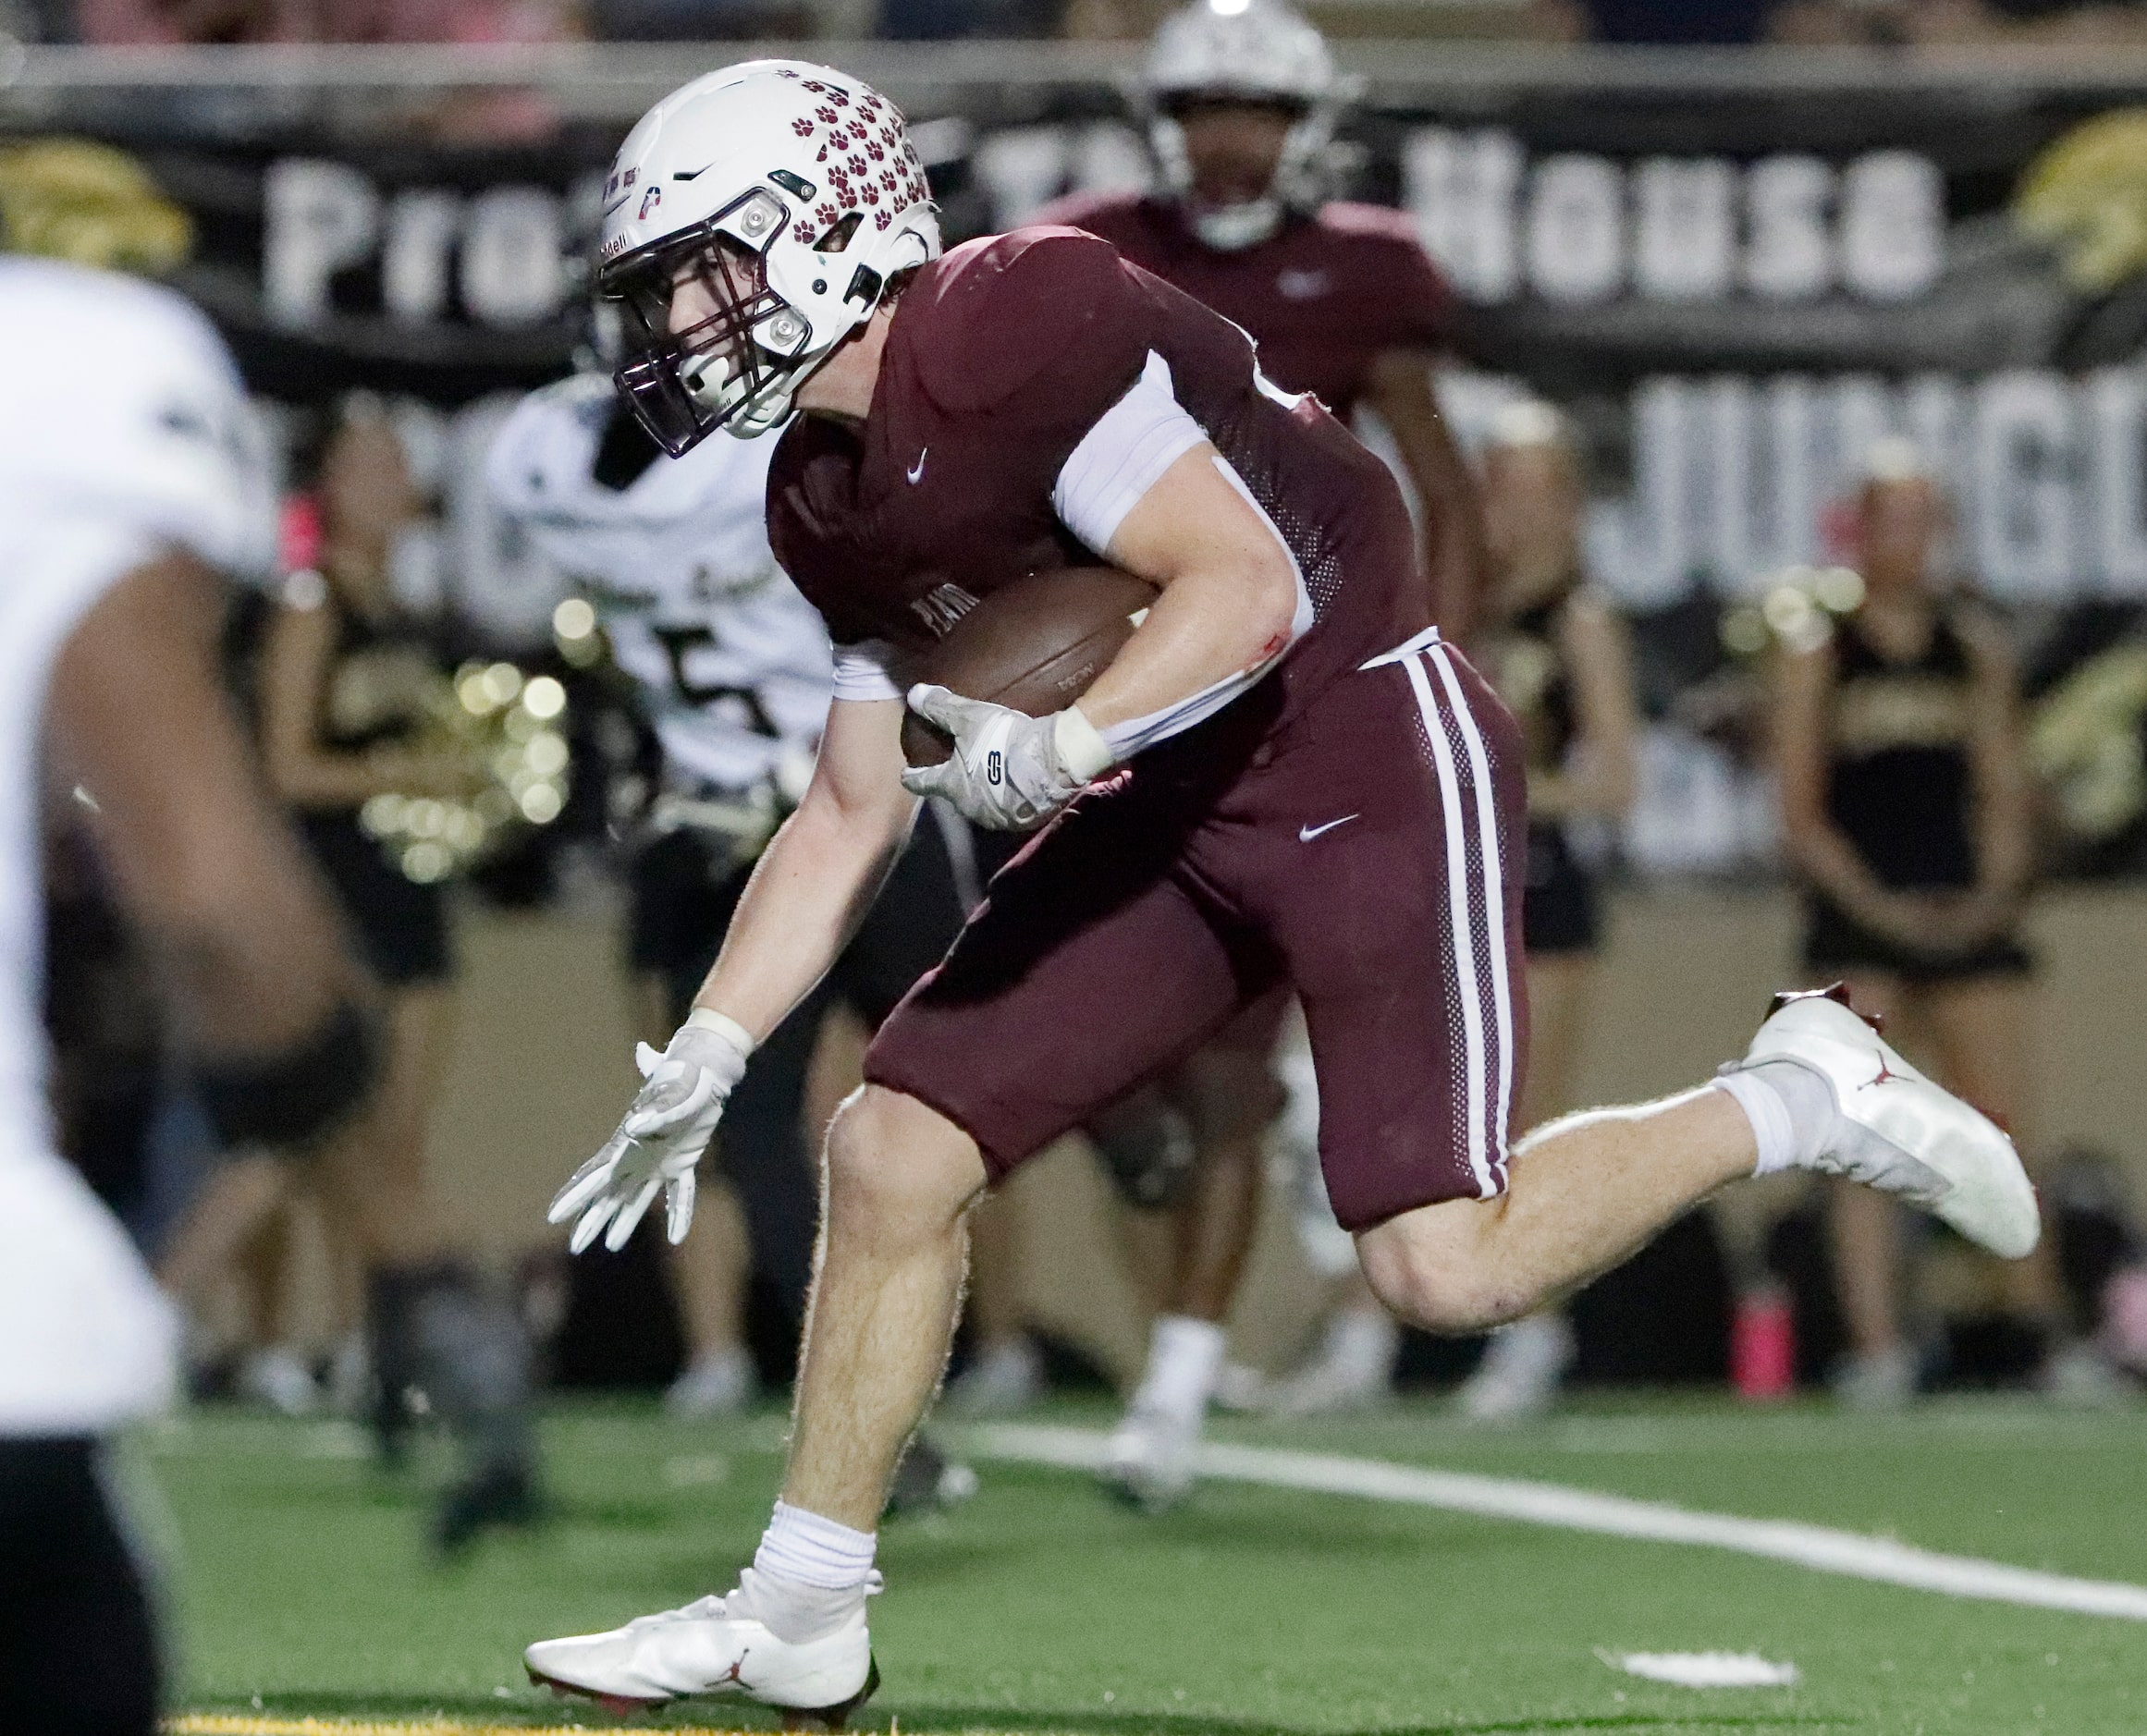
<point x="724" y="1026"/>
<point x="1082" y="748"/>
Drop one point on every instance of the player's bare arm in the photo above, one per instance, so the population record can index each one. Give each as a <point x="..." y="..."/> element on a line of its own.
<point x="2003" y="799"/>
<point x="1229" y="593"/>
<point x="296" y="659"/>
<point x="811" y="889"/>
<point x="1604" y="764"/>
<point x="200" y="856"/>
<point x="1454" y="562"/>
<point x="821" y="872"/>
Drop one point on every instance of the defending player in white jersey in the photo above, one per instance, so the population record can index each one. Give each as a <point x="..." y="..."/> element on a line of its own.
<point x="123" y="482"/>
<point x="129" y="480"/>
<point x="733" y="671"/>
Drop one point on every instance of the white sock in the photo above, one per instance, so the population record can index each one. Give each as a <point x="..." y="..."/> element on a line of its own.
<point x="809" y="1573"/>
<point x="1790" y="1107"/>
<point x="1184" y="1359"/>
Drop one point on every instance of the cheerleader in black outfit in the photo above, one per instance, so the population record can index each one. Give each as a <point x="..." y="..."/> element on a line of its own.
<point x="1906" y="807"/>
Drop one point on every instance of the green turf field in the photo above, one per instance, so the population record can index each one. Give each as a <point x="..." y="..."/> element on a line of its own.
<point x="301" y="1588"/>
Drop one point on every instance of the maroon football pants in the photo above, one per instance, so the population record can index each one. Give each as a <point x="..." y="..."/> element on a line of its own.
<point x="1367" y="854"/>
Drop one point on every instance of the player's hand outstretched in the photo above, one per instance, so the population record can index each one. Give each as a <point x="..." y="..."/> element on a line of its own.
<point x="1009" y="772"/>
<point x="660" y="1141"/>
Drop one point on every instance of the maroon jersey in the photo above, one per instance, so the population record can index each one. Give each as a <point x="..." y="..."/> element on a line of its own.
<point x="1323" y="297"/>
<point x="1001" y="357"/>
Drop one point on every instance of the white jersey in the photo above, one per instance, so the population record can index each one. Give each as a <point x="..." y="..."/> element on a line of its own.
<point x="124" y="430"/>
<point x="733" y="664"/>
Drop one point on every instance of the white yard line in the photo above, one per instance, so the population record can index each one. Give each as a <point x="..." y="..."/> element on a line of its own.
<point x="1815" y="1547"/>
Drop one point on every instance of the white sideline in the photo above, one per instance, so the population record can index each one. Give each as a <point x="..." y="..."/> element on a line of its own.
<point x="1815" y="1547"/>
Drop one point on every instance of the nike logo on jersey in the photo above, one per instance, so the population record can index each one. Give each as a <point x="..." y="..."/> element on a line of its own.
<point x="1302" y="285"/>
<point x="916" y="471"/>
<point x="1306" y="834"/>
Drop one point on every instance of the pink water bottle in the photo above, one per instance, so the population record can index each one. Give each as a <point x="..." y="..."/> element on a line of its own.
<point x="1763" y="1344"/>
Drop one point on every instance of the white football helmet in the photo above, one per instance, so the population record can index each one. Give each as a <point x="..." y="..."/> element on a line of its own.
<point x="1247" y="51"/>
<point x="792" y="193"/>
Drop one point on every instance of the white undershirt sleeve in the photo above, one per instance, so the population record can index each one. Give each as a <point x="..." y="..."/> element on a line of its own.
<point x="865" y="671"/>
<point x="1123" y="456"/>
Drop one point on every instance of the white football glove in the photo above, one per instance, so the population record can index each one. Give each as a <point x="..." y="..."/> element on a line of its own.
<point x="662" y="1137"/>
<point x="1009" y="772"/>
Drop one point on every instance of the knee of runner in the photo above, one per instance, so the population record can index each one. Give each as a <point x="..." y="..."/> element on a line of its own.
<point x="886" y="1173"/>
<point x="1440" y="1289"/>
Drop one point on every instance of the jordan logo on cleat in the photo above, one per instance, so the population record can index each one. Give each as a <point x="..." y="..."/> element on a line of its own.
<point x="1886" y="1075"/>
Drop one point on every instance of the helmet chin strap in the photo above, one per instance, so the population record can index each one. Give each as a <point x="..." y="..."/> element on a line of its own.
<point x="1230" y="228"/>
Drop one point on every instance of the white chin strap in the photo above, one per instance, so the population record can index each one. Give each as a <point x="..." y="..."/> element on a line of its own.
<point x="1230" y="228"/>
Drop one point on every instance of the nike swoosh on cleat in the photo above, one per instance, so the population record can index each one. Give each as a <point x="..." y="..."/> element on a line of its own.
<point x="1306" y="834"/>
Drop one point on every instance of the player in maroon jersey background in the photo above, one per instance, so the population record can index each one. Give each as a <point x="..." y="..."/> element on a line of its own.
<point x="1344" y="304"/>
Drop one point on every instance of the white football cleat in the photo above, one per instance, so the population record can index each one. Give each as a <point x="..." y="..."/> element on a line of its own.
<point x="1896" y="1130"/>
<point x="1150" y="1456"/>
<point x="712" y="1646"/>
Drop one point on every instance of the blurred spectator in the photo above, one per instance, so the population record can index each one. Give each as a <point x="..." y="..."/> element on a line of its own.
<point x="1654" y="21"/>
<point x="450" y="21"/>
<point x="946" y="20"/>
<point x="699" y="20"/>
<point x="1905" y="804"/>
<point x="1891" y="22"/>
<point x="162" y="23"/>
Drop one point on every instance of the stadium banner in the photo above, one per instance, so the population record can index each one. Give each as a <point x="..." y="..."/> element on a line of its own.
<point x="1733" y="320"/>
<point x="1735" y="294"/>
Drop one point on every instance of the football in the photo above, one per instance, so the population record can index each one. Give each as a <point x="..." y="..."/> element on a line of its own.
<point x="1035" y="645"/>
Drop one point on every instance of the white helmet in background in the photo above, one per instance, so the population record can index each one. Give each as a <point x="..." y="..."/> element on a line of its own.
<point x="1247" y="51"/>
<point x="794" y="194"/>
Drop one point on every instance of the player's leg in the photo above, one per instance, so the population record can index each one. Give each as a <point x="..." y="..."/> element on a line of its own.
<point x="78" y="1651"/>
<point x="1525" y="1363"/>
<point x="1416" y="1002"/>
<point x="1006" y="1374"/>
<point x="919" y="912"/>
<point x="1980" y="1027"/>
<point x="1226" y="1094"/>
<point x="1023" y="1033"/>
<point x="436" y="1322"/>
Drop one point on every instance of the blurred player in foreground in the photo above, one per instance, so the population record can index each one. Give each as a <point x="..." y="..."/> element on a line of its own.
<point x="122" y="487"/>
<point x="1906" y="802"/>
<point x="132" y="477"/>
<point x="732" y="669"/>
<point x="1283" y="776"/>
<point x="1344" y="304"/>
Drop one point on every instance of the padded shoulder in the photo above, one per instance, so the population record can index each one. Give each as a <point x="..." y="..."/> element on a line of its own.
<point x="1004" y="312"/>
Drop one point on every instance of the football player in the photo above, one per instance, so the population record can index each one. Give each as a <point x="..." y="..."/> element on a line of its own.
<point x="132" y="477"/>
<point x="1285" y="777"/>
<point x="121" y="487"/>
<point x="1344" y="304"/>
<point x="732" y="670"/>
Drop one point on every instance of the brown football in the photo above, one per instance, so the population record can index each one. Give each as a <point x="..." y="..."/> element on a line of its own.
<point x="1035" y="644"/>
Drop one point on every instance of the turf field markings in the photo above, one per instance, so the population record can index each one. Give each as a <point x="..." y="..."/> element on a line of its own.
<point x="1821" y="1548"/>
<point x="260" y="1724"/>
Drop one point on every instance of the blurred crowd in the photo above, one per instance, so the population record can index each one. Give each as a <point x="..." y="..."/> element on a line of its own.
<point x="1804" y="22"/>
